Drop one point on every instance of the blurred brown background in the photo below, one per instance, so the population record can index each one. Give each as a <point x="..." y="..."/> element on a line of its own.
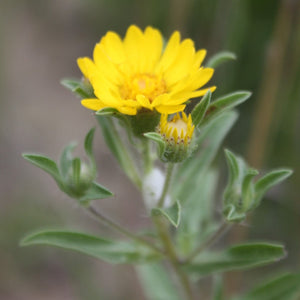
<point x="39" y="44"/>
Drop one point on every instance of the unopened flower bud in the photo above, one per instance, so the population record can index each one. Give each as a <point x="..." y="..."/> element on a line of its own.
<point x="177" y="135"/>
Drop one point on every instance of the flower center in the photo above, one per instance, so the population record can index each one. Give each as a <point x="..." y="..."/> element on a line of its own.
<point x="148" y="85"/>
<point x="179" y="125"/>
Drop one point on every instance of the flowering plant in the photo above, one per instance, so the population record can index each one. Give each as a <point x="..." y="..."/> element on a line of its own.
<point x="146" y="90"/>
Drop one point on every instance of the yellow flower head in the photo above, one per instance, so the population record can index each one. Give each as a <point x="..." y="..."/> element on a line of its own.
<point x="177" y="135"/>
<point x="178" y="130"/>
<point x="137" y="73"/>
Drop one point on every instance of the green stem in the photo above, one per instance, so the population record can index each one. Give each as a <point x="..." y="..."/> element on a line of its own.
<point x="210" y="241"/>
<point x="147" y="156"/>
<point x="161" y="200"/>
<point x="121" y="229"/>
<point x="170" y="252"/>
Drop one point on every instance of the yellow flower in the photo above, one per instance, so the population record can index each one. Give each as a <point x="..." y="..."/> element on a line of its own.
<point x="136" y="73"/>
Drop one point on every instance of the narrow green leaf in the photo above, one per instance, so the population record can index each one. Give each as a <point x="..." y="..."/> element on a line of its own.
<point x="88" y="143"/>
<point x="285" y="286"/>
<point x="269" y="180"/>
<point x="233" y="165"/>
<point x="65" y="161"/>
<point x="118" y="149"/>
<point x="224" y="103"/>
<point x="76" y="167"/>
<point x="243" y="256"/>
<point x="157" y="138"/>
<point x="156" y="282"/>
<point x="199" y="111"/>
<point x="247" y="181"/>
<point x="239" y="192"/>
<point x="220" y="58"/>
<point x="248" y="191"/>
<point x="173" y="213"/>
<point x="190" y="171"/>
<point x="197" y="220"/>
<point x="78" y="87"/>
<point x="96" y="191"/>
<point x="232" y="214"/>
<point x="107" y="250"/>
<point x="46" y="164"/>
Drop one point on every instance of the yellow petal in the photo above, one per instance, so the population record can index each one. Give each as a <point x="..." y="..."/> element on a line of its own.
<point x="183" y="63"/>
<point x="193" y="82"/>
<point x="105" y="65"/>
<point x="169" y="109"/>
<point x="113" y="47"/>
<point x="133" y="46"/>
<point x="87" y="67"/>
<point x="174" y="100"/>
<point x="201" y="77"/>
<point x="170" y="52"/>
<point x="161" y="99"/>
<point x="144" y="101"/>
<point x="127" y="110"/>
<point x="199" y="57"/>
<point x="94" y="104"/>
<point x="131" y="103"/>
<point x="202" y="92"/>
<point x="152" y="49"/>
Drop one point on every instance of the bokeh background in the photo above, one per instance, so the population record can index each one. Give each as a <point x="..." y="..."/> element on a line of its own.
<point x="39" y="44"/>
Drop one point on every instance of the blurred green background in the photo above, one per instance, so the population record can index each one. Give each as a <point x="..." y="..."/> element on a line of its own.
<point x="39" y="44"/>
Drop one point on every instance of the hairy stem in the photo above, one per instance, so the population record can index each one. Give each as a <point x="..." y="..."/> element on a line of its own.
<point x="161" y="200"/>
<point x="170" y="252"/>
<point x="147" y="156"/>
<point x="121" y="229"/>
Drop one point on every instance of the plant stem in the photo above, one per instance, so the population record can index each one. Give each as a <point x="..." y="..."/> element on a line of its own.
<point x="161" y="200"/>
<point x="210" y="241"/>
<point x="147" y="156"/>
<point x="112" y="224"/>
<point x="172" y="256"/>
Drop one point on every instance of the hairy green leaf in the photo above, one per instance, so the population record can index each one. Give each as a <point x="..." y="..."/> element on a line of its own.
<point x="224" y="103"/>
<point x="220" y="58"/>
<point x="107" y="250"/>
<point x="200" y="109"/>
<point x="268" y="181"/>
<point x="118" y="149"/>
<point x="173" y="213"/>
<point x="190" y="171"/>
<point x="156" y="282"/>
<point x="65" y="161"/>
<point x="243" y="256"/>
<point x="78" y="88"/>
<point x="96" y="191"/>
<point x="285" y="286"/>
<point x="46" y="164"/>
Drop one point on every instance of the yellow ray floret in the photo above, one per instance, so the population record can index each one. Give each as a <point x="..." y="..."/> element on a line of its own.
<point x="136" y="72"/>
<point x="178" y="131"/>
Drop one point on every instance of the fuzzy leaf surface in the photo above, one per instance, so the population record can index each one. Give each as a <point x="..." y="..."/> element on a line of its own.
<point x="156" y="282"/>
<point x="220" y="58"/>
<point x="244" y="256"/>
<point x="110" y="251"/>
